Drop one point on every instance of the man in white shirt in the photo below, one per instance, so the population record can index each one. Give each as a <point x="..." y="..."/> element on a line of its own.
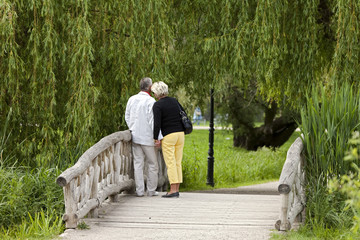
<point x="140" y="120"/>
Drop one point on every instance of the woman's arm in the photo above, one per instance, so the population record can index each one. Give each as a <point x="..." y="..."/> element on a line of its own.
<point x="157" y="120"/>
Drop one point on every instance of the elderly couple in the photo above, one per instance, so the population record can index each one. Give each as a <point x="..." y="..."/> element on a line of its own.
<point x="155" y="124"/>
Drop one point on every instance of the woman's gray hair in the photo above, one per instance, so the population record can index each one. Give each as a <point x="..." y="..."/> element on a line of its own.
<point x="160" y="89"/>
<point x="145" y="83"/>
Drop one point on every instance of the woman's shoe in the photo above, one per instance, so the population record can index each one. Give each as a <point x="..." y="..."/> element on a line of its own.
<point x="172" y="195"/>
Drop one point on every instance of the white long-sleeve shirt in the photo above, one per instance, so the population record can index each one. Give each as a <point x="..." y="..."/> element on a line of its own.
<point x="140" y="118"/>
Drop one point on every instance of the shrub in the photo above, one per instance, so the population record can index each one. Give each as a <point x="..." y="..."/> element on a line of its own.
<point x="349" y="184"/>
<point x="24" y="191"/>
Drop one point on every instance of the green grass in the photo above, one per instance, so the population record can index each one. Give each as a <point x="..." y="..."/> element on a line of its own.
<point x="205" y="123"/>
<point x="82" y="225"/>
<point x="30" y="203"/>
<point x="315" y="233"/>
<point x="233" y="167"/>
<point x="40" y="226"/>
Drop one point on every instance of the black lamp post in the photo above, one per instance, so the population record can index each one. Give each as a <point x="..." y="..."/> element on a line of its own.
<point x="210" y="173"/>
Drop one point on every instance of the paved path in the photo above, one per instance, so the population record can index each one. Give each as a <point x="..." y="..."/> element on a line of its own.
<point x="270" y="188"/>
<point x="207" y="127"/>
<point x="192" y="216"/>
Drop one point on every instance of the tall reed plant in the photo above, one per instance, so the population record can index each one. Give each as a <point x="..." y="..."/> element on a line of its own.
<point x="327" y="123"/>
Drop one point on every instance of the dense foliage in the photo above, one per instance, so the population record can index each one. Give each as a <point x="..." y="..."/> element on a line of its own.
<point x="68" y="67"/>
<point x="24" y="192"/>
<point x="349" y="184"/>
<point x="274" y="43"/>
<point x="278" y="49"/>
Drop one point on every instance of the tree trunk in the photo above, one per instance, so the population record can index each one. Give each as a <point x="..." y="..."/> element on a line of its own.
<point x="274" y="135"/>
<point x="274" y="132"/>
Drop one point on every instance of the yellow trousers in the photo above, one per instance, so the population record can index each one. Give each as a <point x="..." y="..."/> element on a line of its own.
<point x="172" y="148"/>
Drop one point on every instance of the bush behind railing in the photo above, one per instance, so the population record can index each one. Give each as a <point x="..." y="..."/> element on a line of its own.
<point x="26" y="192"/>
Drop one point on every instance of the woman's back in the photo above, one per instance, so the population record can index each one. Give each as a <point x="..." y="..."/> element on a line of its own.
<point x="167" y="116"/>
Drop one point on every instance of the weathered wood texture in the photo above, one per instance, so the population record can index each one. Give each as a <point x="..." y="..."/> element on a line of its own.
<point x="102" y="171"/>
<point x="87" y="158"/>
<point x="291" y="187"/>
<point x="192" y="216"/>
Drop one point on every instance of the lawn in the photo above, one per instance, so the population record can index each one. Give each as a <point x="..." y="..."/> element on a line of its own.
<point x="233" y="167"/>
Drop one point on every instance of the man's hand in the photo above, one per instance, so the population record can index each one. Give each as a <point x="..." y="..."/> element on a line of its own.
<point x="157" y="143"/>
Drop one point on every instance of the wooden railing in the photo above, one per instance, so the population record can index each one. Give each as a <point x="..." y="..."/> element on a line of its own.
<point x="102" y="171"/>
<point x="291" y="188"/>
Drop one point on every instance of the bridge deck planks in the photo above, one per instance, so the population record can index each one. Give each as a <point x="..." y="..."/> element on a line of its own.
<point x="192" y="216"/>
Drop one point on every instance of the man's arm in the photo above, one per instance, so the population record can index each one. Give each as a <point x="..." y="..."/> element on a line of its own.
<point x="127" y="113"/>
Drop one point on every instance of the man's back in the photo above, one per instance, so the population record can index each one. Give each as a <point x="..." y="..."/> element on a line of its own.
<point x="139" y="118"/>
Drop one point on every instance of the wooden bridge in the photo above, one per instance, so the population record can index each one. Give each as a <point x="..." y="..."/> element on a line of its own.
<point x="99" y="186"/>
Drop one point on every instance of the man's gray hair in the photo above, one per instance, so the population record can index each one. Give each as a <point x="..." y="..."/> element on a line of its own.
<point x="145" y="83"/>
<point x="160" y="89"/>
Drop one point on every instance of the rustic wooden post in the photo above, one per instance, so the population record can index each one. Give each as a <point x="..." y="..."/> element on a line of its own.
<point x="128" y="151"/>
<point x="70" y="206"/>
<point x="117" y="163"/>
<point x="284" y="224"/>
<point x="115" y="169"/>
<point x="291" y="187"/>
<point x="94" y="213"/>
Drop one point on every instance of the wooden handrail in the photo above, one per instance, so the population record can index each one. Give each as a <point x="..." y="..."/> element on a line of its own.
<point x="102" y="171"/>
<point x="291" y="187"/>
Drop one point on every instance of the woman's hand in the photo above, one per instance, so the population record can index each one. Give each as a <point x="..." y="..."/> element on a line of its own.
<point x="157" y="143"/>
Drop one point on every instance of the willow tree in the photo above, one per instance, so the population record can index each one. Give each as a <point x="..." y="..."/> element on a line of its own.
<point x="68" y="68"/>
<point x="264" y="54"/>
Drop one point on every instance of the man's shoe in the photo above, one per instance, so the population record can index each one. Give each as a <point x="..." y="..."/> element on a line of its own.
<point x="172" y="195"/>
<point x="139" y="195"/>
<point x="153" y="194"/>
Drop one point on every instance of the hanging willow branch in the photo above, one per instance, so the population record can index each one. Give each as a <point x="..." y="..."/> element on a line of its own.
<point x="68" y="67"/>
<point x="346" y="64"/>
<point x="66" y="77"/>
<point x="12" y="67"/>
<point x="83" y="96"/>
